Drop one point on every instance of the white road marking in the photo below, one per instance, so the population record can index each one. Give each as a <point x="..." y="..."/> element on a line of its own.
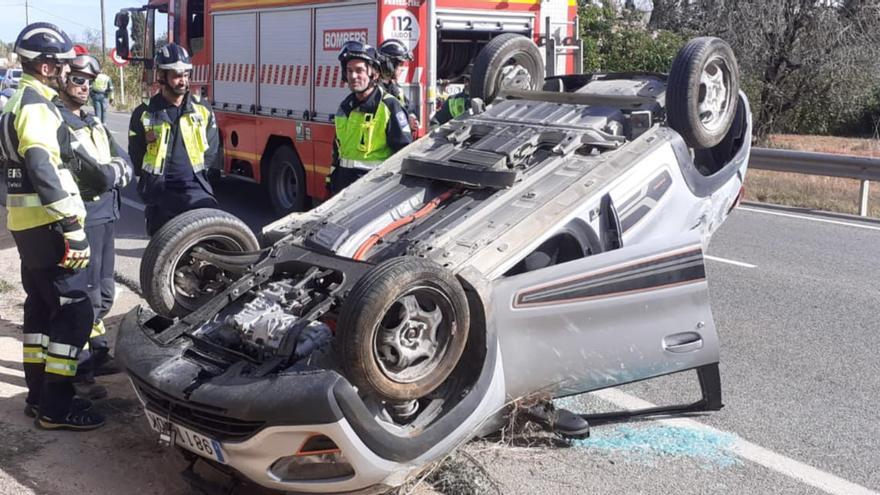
<point x="805" y="217"/>
<point x="11" y="371"/>
<point x="8" y="390"/>
<point x="796" y="470"/>
<point x="134" y="204"/>
<point x="731" y="262"/>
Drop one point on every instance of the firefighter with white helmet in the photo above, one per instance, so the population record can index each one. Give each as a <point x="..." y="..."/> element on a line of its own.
<point x="46" y="216"/>
<point x="371" y="124"/>
<point x="173" y="141"/>
<point x="104" y="168"/>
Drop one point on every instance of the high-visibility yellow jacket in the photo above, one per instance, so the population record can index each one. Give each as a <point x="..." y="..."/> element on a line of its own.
<point x="36" y="148"/>
<point x="369" y="132"/>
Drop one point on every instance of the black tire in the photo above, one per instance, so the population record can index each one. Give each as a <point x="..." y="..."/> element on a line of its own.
<point x="168" y="273"/>
<point x="385" y="297"/>
<point x="509" y="49"/>
<point x="287" y="181"/>
<point x="702" y="113"/>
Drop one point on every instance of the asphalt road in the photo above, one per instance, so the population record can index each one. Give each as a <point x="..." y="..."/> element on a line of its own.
<point x="795" y="296"/>
<point x="797" y="317"/>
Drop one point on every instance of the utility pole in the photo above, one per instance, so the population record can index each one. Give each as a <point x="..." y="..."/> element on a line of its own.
<point x="103" y="32"/>
<point x="26" y="18"/>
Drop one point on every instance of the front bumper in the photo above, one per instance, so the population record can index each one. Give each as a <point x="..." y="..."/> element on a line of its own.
<point x="258" y="421"/>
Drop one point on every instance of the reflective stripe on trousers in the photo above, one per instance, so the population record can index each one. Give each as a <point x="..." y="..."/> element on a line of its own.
<point x="34" y="348"/>
<point x="61" y="366"/>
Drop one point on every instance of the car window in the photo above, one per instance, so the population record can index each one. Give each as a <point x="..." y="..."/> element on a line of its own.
<point x="16" y="73"/>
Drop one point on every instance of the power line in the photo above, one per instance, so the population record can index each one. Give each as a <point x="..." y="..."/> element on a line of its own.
<point x="62" y="18"/>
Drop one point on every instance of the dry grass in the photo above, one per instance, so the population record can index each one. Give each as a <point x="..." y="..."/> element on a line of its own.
<point x="826" y="144"/>
<point x="811" y="191"/>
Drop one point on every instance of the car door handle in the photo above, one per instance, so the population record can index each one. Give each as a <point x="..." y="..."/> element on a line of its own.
<point x="683" y="342"/>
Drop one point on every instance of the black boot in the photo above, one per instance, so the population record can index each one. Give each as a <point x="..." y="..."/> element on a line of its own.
<point x="561" y="421"/>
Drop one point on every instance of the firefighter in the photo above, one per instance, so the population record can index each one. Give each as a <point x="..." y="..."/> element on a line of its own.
<point x="371" y="124"/>
<point x="46" y="216"/>
<point x="173" y="141"/>
<point x="392" y="55"/>
<point x="454" y="106"/>
<point x="105" y="169"/>
<point x="101" y="92"/>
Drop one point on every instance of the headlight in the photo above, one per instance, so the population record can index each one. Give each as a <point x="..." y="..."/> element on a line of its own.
<point x="319" y="458"/>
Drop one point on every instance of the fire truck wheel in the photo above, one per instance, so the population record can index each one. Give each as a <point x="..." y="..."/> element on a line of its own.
<point x="403" y="328"/>
<point x="174" y="281"/>
<point x="702" y="91"/>
<point x="287" y="181"/>
<point x="508" y="61"/>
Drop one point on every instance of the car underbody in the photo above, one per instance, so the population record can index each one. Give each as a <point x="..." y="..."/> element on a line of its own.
<point x="550" y="245"/>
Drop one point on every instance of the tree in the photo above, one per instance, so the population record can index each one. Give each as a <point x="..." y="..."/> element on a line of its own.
<point x="138" y="22"/>
<point x="616" y="40"/>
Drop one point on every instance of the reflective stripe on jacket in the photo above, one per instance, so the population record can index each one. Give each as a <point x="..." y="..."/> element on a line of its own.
<point x="362" y="136"/>
<point x="41" y="190"/>
<point x="193" y="130"/>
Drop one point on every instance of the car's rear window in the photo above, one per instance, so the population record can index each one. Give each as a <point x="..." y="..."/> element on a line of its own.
<point x="16" y="73"/>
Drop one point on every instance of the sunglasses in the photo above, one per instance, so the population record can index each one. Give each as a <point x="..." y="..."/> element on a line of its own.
<point x="79" y="80"/>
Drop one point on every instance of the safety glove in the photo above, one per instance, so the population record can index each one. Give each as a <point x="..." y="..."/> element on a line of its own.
<point x="122" y="171"/>
<point x="76" y="246"/>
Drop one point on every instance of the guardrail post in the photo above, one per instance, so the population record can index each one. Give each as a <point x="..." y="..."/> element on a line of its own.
<point x="863" y="199"/>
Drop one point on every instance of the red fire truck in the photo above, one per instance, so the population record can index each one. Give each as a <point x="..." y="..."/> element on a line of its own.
<point x="269" y="67"/>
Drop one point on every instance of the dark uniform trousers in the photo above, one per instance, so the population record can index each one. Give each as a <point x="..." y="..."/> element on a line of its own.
<point x="57" y="309"/>
<point x="342" y="177"/>
<point x="174" y="203"/>
<point x="102" y="286"/>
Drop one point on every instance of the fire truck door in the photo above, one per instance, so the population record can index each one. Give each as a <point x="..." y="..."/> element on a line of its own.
<point x="285" y="64"/>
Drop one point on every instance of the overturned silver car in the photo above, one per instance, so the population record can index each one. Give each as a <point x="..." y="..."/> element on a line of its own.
<point x="549" y="245"/>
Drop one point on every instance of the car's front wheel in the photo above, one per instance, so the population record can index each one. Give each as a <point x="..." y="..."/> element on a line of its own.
<point x="403" y="328"/>
<point x="173" y="281"/>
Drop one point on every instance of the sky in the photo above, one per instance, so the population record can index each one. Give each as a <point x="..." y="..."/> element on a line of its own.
<point x="75" y="17"/>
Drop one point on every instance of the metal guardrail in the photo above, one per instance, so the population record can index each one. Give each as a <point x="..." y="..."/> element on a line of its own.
<point x="827" y="164"/>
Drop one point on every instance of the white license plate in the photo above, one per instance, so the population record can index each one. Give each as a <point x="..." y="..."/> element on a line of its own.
<point x="186" y="438"/>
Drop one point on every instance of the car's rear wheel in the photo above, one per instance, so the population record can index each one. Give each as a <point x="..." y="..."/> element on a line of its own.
<point x="287" y="181"/>
<point x="402" y="329"/>
<point x="508" y="61"/>
<point x="702" y="91"/>
<point x="174" y="282"/>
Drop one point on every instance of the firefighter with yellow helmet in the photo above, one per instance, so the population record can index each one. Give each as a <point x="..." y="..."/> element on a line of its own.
<point x="46" y="216"/>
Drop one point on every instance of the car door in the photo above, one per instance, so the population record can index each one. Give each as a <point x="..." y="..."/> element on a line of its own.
<point x="616" y="317"/>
